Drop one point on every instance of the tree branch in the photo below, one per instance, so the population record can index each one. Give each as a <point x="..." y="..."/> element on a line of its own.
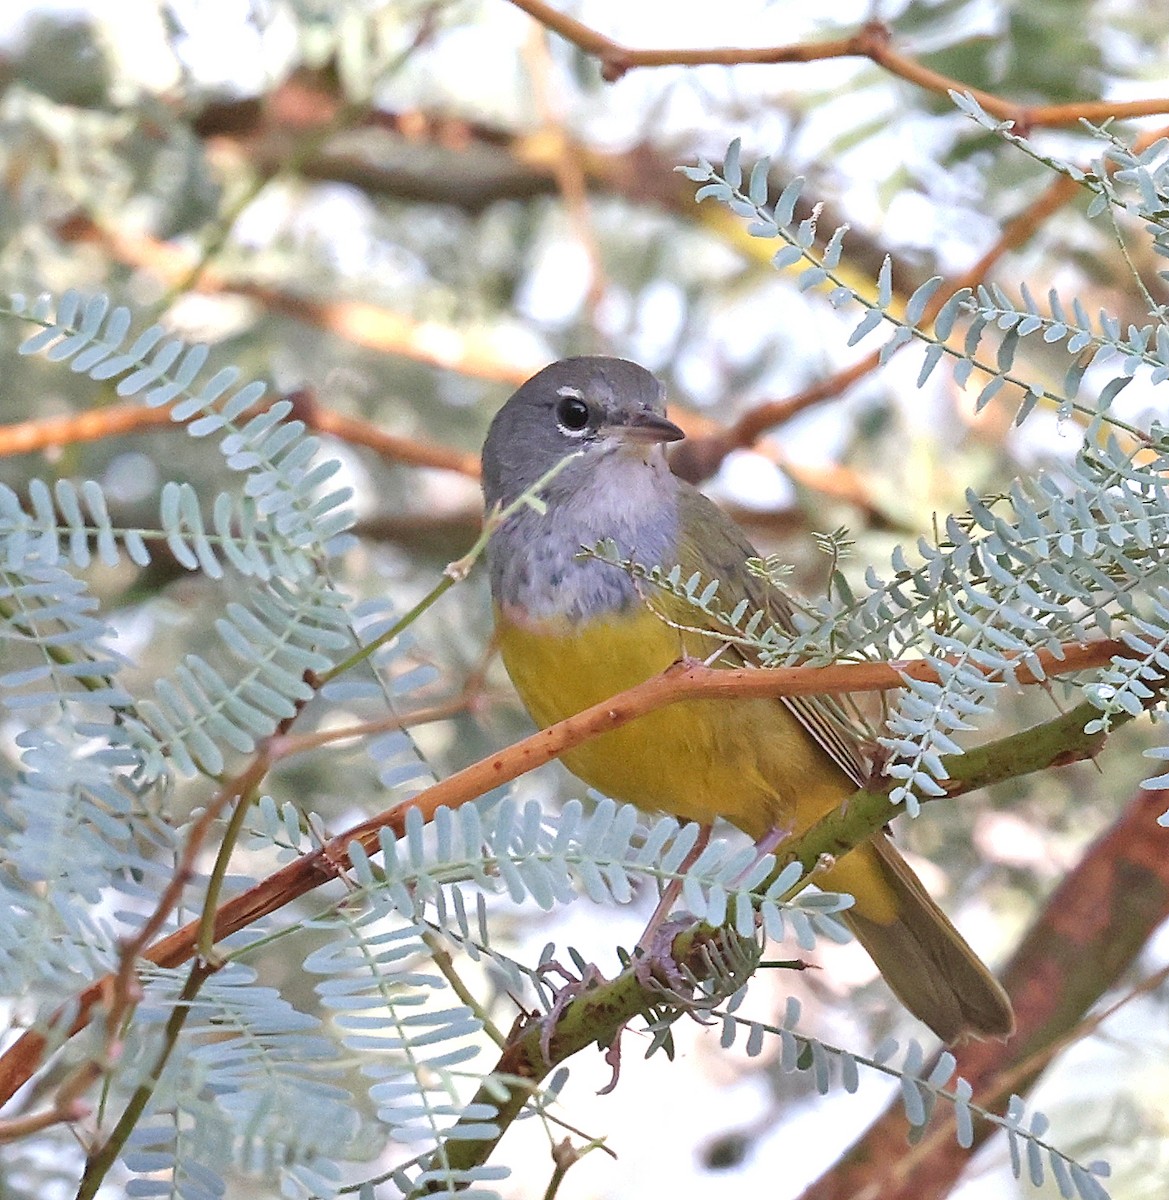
<point x="120" y="420"/>
<point x="1089" y="932"/>
<point x="872" y="41"/>
<point x="599" y="1015"/>
<point x="690" y="681"/>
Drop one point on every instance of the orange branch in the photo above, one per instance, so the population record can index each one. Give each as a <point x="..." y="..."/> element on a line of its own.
<point x="355" y="431"/>
<point x="872" y="41"/>
<point x="48" y="433"/>
<point x="118" y="420"/>
<point x="683" y="681"/>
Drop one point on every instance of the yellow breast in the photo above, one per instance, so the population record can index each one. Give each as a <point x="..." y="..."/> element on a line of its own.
<point x="749" y="761"/>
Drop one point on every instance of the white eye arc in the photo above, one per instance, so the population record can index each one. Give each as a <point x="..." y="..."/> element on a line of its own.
<point x="573" y="415"/>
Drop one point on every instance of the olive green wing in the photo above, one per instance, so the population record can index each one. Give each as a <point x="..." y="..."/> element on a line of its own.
<point x="714" y="546"/>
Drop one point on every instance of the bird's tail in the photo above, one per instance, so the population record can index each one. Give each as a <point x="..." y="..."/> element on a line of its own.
<point x="923" y="958"/>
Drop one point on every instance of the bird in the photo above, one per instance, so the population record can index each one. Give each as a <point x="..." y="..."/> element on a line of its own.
<point x="574" y="629"/>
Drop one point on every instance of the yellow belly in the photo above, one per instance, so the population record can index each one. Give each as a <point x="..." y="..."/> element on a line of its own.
<point x="748" y="761"/>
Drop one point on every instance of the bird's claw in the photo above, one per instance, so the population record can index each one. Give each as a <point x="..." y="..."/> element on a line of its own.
<point x="654" y="964"/>
<point x="562" y="997"/>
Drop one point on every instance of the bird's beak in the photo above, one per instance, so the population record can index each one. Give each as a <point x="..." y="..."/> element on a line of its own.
<point x="644" y="428"/>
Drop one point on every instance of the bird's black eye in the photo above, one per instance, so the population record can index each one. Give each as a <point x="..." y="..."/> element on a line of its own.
<point x="572" y="414"/>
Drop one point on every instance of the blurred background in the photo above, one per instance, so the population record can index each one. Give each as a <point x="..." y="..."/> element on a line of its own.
<point x="396" y="212"/>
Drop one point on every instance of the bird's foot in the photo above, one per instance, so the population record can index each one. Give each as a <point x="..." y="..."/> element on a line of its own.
<point x="572" y="989"/>
<point x="654" y="964"/>
<point x="562" y="996"/>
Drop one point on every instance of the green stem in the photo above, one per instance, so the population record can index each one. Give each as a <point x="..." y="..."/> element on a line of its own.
<point x="446" y="966"/>
<point x="402" y="623"/>
<point x="595" y="1017"/>
<point x="598" y="1016"/>
<point x="1054" y="743"/>
<point x="235" y="824"/>
<point x="98" y="1164"/>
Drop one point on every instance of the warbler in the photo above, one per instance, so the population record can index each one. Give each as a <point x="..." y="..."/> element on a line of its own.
<point x="574" y="630"/>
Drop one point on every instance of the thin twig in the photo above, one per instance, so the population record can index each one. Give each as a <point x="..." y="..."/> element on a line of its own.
<point x="567" y="166"/>
<point x="873" y="40"/>
<point x="301" y="743"/>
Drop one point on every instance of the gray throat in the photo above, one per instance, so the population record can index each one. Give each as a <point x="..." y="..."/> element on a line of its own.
<point x="535" y="574"/>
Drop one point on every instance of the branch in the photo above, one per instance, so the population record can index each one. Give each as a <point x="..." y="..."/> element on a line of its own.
<point x="689" y="681"/>
<point x="394" y="447"/>
<point x="1089" y="932"/>
<point x="599" y="1015"/>
<point x="872" y="41"/>
<point x="596" y="1016"/>
<point x="1056" y="743"/>
<point x="119" y="420"/>
<point x="119" y="992"/>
